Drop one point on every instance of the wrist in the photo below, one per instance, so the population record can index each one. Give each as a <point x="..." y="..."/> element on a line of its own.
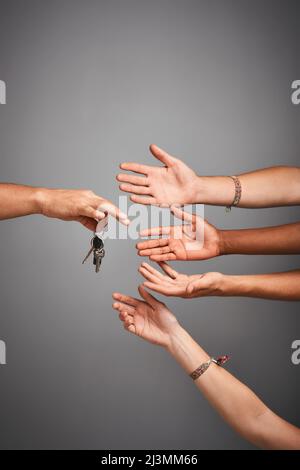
<point x="41" y="196"/>
<point x="178" y="336"/>
<point x="208" y="284"/>
<point x="201" y="190"/>
<point x="185" y="350"/>
<point x="195" y="190"/>
<point x="221" y="285"/>
<point x="214" y="190"/>
<point x="224" y="242"/>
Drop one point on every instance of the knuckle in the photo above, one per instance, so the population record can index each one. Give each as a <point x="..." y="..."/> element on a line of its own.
<point x="88" y="193"/>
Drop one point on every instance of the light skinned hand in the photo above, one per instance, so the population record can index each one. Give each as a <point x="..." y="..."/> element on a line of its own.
<point x="172" y="183"/>
<point x="83" y="206"/>
<point x="175" y="284"/>
<point x="194" y="239"/>
<point x="147" y="318"/>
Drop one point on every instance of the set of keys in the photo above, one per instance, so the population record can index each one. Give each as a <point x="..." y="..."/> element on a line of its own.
<point x="97" y="248"/>
<point x="97" y="245"/>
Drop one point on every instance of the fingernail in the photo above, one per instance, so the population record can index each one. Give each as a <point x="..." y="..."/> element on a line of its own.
<point x="123" y="216"/>
<point x="100" y="215"/>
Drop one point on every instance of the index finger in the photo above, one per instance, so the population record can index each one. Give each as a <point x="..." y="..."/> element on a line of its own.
<point x="148" y="232"/>
<point x="168" y="270"/>
<point x="126" y="299"/>
<point x="152" y="243"/>
<point x="113" y="210"/>
<point x="135" y="167"/>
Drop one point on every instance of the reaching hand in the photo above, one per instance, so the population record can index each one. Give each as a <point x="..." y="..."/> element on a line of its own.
<point x="79" y="205"/>
<point x="181" y="285"/>
<point x="196" y="240"/>
<point x="149" y="319"/>
<point x="173" y="183"/>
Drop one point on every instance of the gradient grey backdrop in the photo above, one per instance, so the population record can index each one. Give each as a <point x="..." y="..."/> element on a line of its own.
<point x="91" y="83"/>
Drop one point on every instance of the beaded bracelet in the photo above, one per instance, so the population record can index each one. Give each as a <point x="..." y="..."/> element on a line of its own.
<point x="237" y="194"/>
<point x="201" y="369"/>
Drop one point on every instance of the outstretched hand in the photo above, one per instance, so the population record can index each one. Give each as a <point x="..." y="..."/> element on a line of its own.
<point x="147" y="318"/>
<point x="173" y="183"/>
<point x="175" y="284"/>
<point x="194" y="239"/>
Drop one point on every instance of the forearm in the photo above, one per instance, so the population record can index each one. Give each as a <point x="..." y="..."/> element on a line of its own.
<point x="284" y="239"/>
<point x="18" y="200"/>
<point x="276" y="286"/>
<point x="235" y="402"/>
<point x="269" y="187"/>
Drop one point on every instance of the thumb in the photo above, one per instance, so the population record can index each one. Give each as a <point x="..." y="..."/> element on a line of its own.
<point x="190" y="288"/>
<point x="113" y="210"/>
<point x="182" y="215"/>
<point x="161" y="155"/>
<point x="195" y="285"/>
<point x="148" y="297"/>
<point x="87" y="222"/>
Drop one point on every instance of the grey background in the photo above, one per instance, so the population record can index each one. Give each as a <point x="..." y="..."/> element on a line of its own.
<point x="93" y="83"/>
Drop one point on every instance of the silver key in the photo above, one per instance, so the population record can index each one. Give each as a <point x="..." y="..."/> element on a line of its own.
<point x="98" y="262"/>
<point x="98" y="255"/>
<point x="98" y="252"/>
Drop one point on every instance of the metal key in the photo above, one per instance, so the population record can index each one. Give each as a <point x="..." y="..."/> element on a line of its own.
<point x="97" y="248"/>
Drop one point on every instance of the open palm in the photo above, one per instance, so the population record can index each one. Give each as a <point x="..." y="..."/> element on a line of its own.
<point x="172" y="183"/>
<point x="175" y="284"/>
<point x="149" y="319"/>
<point x="195" y="239"/>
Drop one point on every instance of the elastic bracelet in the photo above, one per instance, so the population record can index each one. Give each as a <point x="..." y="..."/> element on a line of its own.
<point x="201" y="369"/>
<point x="237" y="194"/>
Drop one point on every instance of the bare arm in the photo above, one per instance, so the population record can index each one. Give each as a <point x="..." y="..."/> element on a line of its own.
<point x="276" y="286"/>
<point x="18" y="200"/>
<point x="174" y="182"/>
<point x="235" y="402"/>
<point x="269" y="187"/>
<point x="66" y="204"/>
<point x="283" y="239"/>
